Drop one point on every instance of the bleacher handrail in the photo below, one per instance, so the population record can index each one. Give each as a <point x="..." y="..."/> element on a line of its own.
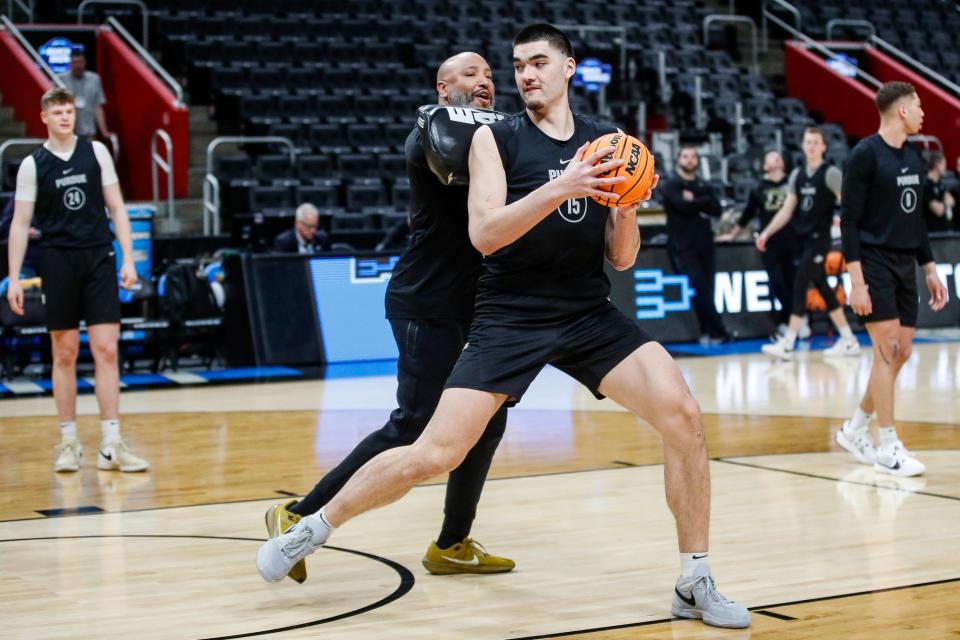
<point x="211" y="185"/>
<point x="160" y="163"/>
<point x="112" y="23"/>
<point x="12" y="28"/>
<point x="944" y="82"/>
<point x="789" y="7"/>
<point x="926" y="141"/>
<point x="849" y="22"/>
<point x="144" y="15"/>
<point x="721" y="18"/>
<point x="809" y="42"/>
<point x="26" y="7"/>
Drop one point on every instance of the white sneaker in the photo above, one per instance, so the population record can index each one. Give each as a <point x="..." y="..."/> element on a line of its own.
<point x="860" y="445"/>
<point x="843" y="347"/>
<point x="116" y="455"/>
<point x="804" y="332"/>
<point x="69" y="452"/>
<point x="697" y="597"/>
<point x="277" y="556"/>
<point x="778" y="349"/>
<point x="897" y="461"/>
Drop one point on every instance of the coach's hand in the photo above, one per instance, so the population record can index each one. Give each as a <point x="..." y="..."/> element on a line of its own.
<point x="581" y="177"/>
<point x="15" y="296"/>
<point x="860" y="300"/>
<point x="761" y="242"/>
<point x="128" y="275"/>
<point x="938" y="292"/>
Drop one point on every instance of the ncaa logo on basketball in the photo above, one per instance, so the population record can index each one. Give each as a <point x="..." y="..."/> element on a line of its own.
<point x="74" y="198"/>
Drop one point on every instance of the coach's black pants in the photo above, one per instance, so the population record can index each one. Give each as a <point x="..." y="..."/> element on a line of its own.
<point x="780" y="262"/>
<point x="699" y="264"/>
<point x="428" y="350"/>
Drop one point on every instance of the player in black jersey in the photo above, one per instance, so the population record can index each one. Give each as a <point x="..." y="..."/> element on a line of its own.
<point x="429" y="305"/>
<point x="884" y="238"/>
<point x="812" y="193"/>
<point x="938" y="203"/>
<point x="780" y="258"/>
<point x="65" y="188"/>
<point x="542" y="298"/>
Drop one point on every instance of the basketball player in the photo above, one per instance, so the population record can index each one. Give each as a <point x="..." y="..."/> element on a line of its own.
<point x="429" y="306"/>
<point x="883" y="237"/>
<point x="67" y="182"/>
<point x="542" y="298"/>
<point x="780" y="258"/>
<point x="813" y="190"/>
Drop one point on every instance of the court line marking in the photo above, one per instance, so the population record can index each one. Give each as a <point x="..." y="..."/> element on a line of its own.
<point x="819" y="477"/>
<point x="759" y="609"/>
<point x="407" y="578"/>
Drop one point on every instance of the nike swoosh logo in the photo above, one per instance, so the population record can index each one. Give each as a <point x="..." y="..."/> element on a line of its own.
<point x="474" y="561"/>
<point x="690" y="601"/>
<point x="565" y="161"/>
<point x="699" y="557"/>
<point x="108" y="456"/>
<point x="905" y="169"/>
<point x="66" y="171"/>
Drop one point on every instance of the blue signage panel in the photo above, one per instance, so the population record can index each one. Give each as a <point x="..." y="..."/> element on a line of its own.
<point x="56" y="53"/>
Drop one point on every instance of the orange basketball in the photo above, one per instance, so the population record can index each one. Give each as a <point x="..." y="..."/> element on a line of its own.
<point x="638" y="168"/>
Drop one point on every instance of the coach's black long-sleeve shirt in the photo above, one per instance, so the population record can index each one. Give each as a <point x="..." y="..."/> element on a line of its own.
<point x="688" y="222"/>
<point x="882" y="196"/>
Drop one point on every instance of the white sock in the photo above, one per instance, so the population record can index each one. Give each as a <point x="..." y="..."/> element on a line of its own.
<point x="859" y="423"/>
<point x="846" y="333"/>
<point x="68" y="430"/>
<point x="690" y="561"/>
<point x="888" y="436"/>
<point x="109" y="431"/>
<point x="790" y="338"/>
<point x="321" y="528"/>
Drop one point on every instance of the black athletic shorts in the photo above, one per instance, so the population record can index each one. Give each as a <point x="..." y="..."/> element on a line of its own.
<point x="79" y="284"/>
<point x="891" y="278"/>
<point x="513" y="337"/>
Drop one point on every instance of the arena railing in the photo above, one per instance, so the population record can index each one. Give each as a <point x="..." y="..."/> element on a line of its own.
<point x="12" y="28"/>
<point x="211" y="185"/>
<point x="882" y="44"/>
<point x="25" y="6"/>
<point x="719" y="18"/>
<point x="845" y="22"/>
<point x="144" y="14"/>
<point x="148" y="59"/>
<point x="168" y="224"/>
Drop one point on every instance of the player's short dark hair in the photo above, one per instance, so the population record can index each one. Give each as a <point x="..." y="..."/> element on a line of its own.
<point x="817" y="131"/>
<point x="56" y="95"/>
<point x="548" y="32"/>
<point x="935" y="158"/>
<point x="685" y="146"/>
<point x="890" y="92"/>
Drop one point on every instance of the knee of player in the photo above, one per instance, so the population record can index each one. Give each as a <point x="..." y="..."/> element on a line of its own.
<point x="65" y="353"/>
<point x="904" y="351"/>
<point x="688" y="427"/>
<point x="105" y="351"/>
<point x="434" y="461"/>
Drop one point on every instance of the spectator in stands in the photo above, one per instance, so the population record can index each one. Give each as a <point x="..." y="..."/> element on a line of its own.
<point x="32" y="258"/>
<point x="304" y="237"/>
<point x="85" y="85"/>
<point x="689" y="203"/>
<point x="780" y="258"/>
<point x="938" y="203"/>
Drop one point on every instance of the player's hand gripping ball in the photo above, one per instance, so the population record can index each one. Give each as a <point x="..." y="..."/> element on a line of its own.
<point x="637" y="168"/>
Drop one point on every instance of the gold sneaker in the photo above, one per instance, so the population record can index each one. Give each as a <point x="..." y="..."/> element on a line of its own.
<point x="278" y="521"/>
<point x="467" y="556"/>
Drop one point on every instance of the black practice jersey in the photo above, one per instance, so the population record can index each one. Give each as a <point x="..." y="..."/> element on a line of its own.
<point x="815" y="202"/>
<point x="563" y="255"/>
<point x="764" y="202"/>
<point x="882" y="192"/>
<point x="935" y="191"/>
<point x="69" y="210"/>
<point x="436" y="276"/>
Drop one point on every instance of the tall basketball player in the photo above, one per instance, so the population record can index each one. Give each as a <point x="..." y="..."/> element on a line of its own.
<point x="812" y="194"/>
<point x="542" y="299"/>
<point x="429" y="306"/>
<point x="68" y="183"/>
<point x="884" y="238"/>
